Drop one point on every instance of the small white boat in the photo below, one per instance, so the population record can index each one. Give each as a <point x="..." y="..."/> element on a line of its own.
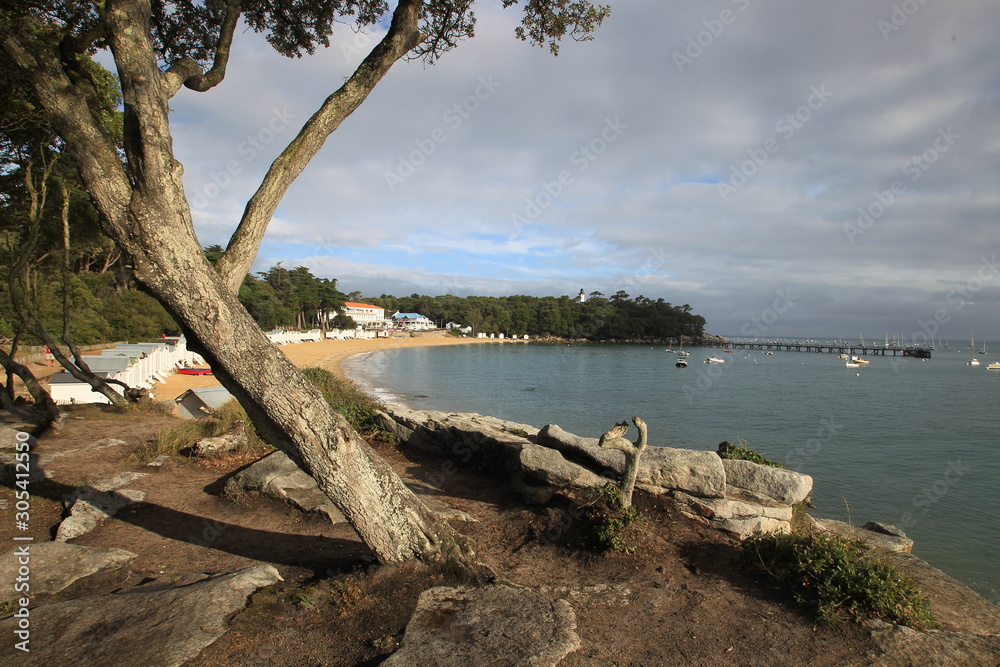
<point x="973" y="361"/>
<point x="715" y="360"/>
<point x="682" y="362"/>
<point x="843" y="356"/>
<point x="851" y="364"/>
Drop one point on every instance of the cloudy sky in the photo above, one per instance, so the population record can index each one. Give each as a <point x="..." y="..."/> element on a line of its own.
<point x="786" y="168"/>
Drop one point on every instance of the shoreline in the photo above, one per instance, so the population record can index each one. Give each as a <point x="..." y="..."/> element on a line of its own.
<point x="327" y="354"/>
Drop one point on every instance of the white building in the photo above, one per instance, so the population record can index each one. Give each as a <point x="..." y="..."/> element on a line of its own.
<point x="366" y="315"/>
<point x="414" y="321"/>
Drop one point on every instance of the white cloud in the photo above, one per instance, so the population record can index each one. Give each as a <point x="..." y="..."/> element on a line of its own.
<point x="521" y="187"/>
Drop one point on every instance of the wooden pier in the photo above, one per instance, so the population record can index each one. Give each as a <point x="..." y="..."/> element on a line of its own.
<point x="830" y="348"/>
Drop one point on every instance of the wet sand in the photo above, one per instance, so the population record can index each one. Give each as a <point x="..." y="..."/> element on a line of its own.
<point x="324" y="354"/>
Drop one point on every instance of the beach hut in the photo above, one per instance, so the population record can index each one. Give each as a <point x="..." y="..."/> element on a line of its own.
<point x="199" y="402"/>
<point x="66" y="389"/>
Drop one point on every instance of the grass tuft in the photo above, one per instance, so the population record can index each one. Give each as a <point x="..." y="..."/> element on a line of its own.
<point x="174" y="441"/>
<point x="350" y="400"/>
<point x="728" y="450"/>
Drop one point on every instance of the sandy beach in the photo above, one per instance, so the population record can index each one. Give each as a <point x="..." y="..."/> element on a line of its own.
<point x="324" y="354"/>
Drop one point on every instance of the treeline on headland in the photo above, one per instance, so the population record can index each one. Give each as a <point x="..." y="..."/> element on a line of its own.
<point x="106" y="304"/>
<point x="619" y="317"/>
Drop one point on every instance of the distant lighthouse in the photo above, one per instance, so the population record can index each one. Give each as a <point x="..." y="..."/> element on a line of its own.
<point x="582" y="297"/>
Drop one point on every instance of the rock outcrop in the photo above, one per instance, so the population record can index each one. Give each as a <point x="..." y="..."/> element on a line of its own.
<point x="737" y="515"/>
<point x="87" y="506"/>
<point x="56" y="565"/>
<point x="737" y="497"/>
<point x="881" y="535"/>
<point x="221" y="444"/>
<point x="149" y="625"/>
<point x="661" y="469"/>
<point x="766" y="482"/>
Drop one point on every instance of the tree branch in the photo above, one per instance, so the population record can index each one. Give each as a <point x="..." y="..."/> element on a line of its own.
<point x="189" y="73"/>
<point x="403" y="35"/>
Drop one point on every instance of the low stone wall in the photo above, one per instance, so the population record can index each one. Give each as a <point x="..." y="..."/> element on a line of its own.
<point x="738" y="497"/>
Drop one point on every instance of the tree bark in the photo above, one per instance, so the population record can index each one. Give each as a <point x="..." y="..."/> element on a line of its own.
<point x="613" y="440"/>
<point x="43" y="400"/>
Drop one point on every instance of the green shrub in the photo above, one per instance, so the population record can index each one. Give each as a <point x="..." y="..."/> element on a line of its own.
<point x="606" y="524"/>
<point x="838" y="578"/>
<point x="728" y="450"/>
<point x="347" y="398"/>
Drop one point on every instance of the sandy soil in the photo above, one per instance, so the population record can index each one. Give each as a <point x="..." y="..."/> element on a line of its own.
<point x="325" y="354"/>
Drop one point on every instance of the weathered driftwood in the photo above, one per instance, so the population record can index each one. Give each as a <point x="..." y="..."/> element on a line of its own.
<point x="614" y="439"/>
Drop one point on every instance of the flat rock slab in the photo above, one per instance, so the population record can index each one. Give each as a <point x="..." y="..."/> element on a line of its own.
<point x="550" y="467"/>
<point x="956" y="606"/>
<point x="277" y="476"/>
<point x="899" y="646"/>
<point x="57" y="565"/>
<point x="496" y="625"/>
<point x="698" y="472"/>
<point x="10" y="436"/>
<point x="161" y="628"/>
<point x="738" y="516"/>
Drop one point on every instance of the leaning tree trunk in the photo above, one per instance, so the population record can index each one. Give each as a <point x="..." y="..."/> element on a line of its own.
<point x="145" y="211"/>
<point x="290" y="413"/>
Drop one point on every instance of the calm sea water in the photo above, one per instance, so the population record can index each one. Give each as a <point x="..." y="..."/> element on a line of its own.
<point x="909" y="442"/>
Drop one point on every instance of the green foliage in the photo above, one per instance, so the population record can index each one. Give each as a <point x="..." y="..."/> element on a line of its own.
<point x="342" y="321"/>
<point x="728" y="450"/>
<point x="347" y="398"/>
<point x="618" y="318"/>
<point x="606" y="525"/>
<point x="838" y="578"/>
<point x="281" y="298"/>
